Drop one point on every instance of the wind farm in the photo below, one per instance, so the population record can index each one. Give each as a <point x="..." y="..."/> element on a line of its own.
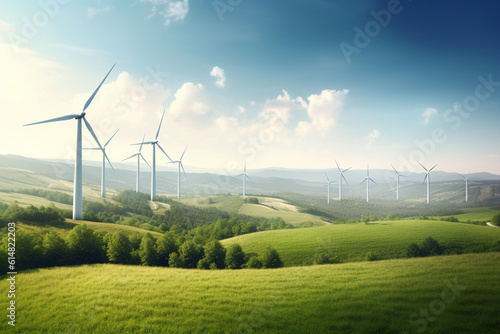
<point x="185" y="191"/>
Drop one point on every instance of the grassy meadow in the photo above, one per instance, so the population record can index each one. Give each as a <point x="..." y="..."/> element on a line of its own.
<point x="352" y="242"/>
<point x="373" y="297"/>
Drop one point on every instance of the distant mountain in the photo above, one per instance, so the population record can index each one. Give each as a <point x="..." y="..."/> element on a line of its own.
<point x="445" y="186"/>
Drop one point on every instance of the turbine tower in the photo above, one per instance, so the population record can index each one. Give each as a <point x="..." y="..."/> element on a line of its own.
<point x="153" y="172"/>
<point x="328" y="183"/>
<point x="341" y="176"/>
<point x="103" y="169"/>
<point x="139" y="156"/>
<point x="77" y="187"/>
<point x="428" y="178"/>
<point x="397" y="182"/>
<point x="367" y="180"/>
<point x="466" y="180"/>
<point x="179" y="165"/>
<point x="245" y="176"/>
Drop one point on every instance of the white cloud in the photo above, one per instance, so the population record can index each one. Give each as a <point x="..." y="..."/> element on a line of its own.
<point x="252" y="103"/>
<point x="171" y="10"/>
<point x="4" y="26"/>
<point x="218" y="73"/>
<point x="91" y="11"/>
<point x="323" y="111"/>
<point x="372" y="137"/>
<point x="427" y="114"/>
<point x="241" y="109"/>
<point x="280" y="108"/>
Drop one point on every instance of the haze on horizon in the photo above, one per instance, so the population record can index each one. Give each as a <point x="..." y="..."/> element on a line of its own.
<point x="279" y="84"/>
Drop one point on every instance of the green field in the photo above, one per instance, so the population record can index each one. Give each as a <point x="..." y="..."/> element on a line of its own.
<point x="268" y="207"/>
<point x="374" y="297"/>
<point x="477" y="214"/>
<point x="352" y="242"/>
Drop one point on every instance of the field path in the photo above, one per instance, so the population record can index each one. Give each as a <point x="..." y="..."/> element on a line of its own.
<point x="490" y="224"/>
<point x="152" y="205"/>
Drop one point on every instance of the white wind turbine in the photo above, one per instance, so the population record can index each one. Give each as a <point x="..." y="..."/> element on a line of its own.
<point x="78" y="182"/>
<point x="367" y="180"/>
<point x="328" y="183"/>
<point x="341" y="176"/>
<point x="153" y="172"/>
<point x="139" y="156"/>
<point x="466" y="180"/>
<point x="428" y="178"/>
<point x="245" y="176"/>
<point x="397" y="182"/>
<point x="103" y="169"/>
<point x="179" y="166"/>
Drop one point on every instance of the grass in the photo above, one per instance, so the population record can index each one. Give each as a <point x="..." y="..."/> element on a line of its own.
<point x="352" y="242"/>
<point x="268" y="207"/>
<point x="476" y="214"/>
<point x="370" y="297"/>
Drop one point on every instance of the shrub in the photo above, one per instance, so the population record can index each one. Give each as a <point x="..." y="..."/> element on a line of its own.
<point x="431" y="247"/>
<point x="235" y="257"/>
<point x="254" y="263"/>
<point x="271" y="259"/>
<point x="496" y="220"/>
<point x="372" y="256"/>
<point x="175" y="261"/>
<point x="414" y="250"/>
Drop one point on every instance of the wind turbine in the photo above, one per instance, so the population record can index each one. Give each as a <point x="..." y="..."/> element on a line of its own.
<point x="245" y="176"/>
<point x="139" y="156"/>
<point x="466" y="180"/>
<point x="328" y="183"/>
<point x="428" y="178"/>
<point x="103" y="170"/>
<point x="341" y="176"/>
<point x="179" y="165"/>
<point x="153" y="172"/>
<point x="397" y="182"/>
<point x="367" y="180"/>
<point x="77" y="187"/>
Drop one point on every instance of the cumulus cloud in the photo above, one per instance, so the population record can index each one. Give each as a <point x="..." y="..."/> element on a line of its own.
<point x="218" y="73"/>
<point x="427" y="114"/>
<point x="372" y="137"/>
<point x="241" y="109"/>
<point x="171" y="10"/>
<point x="91" y="11"/>
<point x="323" y="111"/>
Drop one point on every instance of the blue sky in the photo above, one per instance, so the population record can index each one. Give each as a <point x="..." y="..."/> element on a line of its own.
<point x="269" y="82"/>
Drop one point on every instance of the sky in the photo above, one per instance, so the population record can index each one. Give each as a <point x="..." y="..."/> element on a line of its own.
<point x="292" y="84"/>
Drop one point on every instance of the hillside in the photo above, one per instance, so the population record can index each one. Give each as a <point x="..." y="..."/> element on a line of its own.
<point x="376" y="297"/>
<point x="353" y="242"/>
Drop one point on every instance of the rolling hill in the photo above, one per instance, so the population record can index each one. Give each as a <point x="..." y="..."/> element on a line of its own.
<point x="457" y="293"/>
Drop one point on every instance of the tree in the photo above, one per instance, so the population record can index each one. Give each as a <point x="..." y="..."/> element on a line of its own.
<point x="414" y="250"/>
<point x="165" y="245"/>
<point x="119" y="248"/>
<point x="431" y="247"/>
<point x="85" y="245"/>
<point x="496" y="220"/>
<point x="175" y="261"/>
<point x="55" y="250"/>
<point x="235" y="257"/>
<point x="271" y="259"/>
<point x="147" y="250"/>
<point x="254" y="263"/>
<point x="215" y="253"/>
<point x="190" y="253"/>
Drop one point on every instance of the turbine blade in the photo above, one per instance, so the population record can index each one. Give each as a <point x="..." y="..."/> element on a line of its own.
<point x="89" y="127"/>
<point x="183" y="153"/>
<point x="97" y="89"/>
<point x="337" y="165"/>
<point x="425" y="178"/>
<point x="327" y="177"/>
<point x="159" y="126"/>
<point x="57" y="119"/>
<point x="110" y="164"/>
<point x="145" y="142"/>
<point x="433" y="167"/>
<point x="92" y="148"/>
<point x="394" y="169"/>
<point x="345" y="170"/>
<point x="111" y="138"/>
<point x="182" y="166"/>
<point x="144" y="160"/>
<point x="363" y="181"/>
<point x="165" y="152"/>
<point x="133" y="155"/>
<point x="373" y="181"/>
<point x="344" y="179"/>
<point x="245" y="168"/>
<point x="422" y="166"/>
<point x="142" y="142"/>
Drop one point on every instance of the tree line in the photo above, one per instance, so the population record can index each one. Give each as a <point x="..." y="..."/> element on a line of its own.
<point x="84" y="245"/>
